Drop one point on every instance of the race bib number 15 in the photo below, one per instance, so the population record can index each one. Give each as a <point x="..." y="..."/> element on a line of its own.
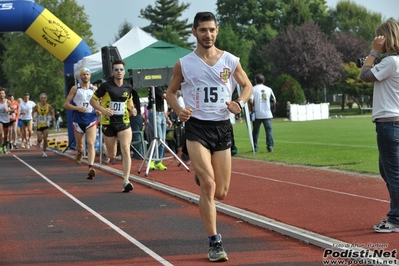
<point x="212" y="97"/>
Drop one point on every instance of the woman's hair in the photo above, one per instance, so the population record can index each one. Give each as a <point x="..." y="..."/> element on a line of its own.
<point x="390" y="30"/>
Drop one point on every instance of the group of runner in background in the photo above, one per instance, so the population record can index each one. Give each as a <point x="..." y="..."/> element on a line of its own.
<point x="18" y="119"/>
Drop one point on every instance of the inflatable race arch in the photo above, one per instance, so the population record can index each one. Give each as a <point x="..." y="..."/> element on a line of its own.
<point x="48" y="31"/>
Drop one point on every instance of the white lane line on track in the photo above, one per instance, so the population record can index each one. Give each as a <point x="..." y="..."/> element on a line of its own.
<point x="312" y="187"/>
<point x="101" y="218"/>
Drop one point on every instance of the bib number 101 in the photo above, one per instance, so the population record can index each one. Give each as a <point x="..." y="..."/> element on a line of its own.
<point x="118" y="107"/>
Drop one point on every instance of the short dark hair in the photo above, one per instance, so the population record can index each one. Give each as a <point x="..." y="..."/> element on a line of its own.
<point x="203" y="16"/>
<point x="260" y="79"/>
<point x="117" y="62"/>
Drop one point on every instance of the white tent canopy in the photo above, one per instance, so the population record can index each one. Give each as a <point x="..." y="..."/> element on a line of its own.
<point x="133" y="41"/>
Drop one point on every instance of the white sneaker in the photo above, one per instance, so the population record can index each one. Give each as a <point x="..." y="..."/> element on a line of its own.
<point x="107" y="160"/>
<point x="44" y="155"/>
<point x="386" y="227"/>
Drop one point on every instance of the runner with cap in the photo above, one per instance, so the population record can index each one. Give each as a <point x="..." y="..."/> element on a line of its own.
<point x="84" y="118"/>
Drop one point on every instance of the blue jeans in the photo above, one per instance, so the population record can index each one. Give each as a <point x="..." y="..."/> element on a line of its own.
<point x="388" y="148"/>
<point x="267" y="124"/>
<point x="161" y="131"/>
<point x="57" y="124"/>
<point x="136" y="123"/>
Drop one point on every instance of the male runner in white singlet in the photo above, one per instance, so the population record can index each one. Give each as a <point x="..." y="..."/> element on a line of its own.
<point x="25" y="113"/>
<point x="5" y="109"/>
<point x="207" y="78"/>
<point x="84" y="119"/>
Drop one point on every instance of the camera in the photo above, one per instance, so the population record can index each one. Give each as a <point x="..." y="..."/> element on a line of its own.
<point x="360" y="62"/>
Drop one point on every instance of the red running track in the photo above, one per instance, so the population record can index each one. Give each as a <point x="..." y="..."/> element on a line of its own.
<point x="339" y="205"/>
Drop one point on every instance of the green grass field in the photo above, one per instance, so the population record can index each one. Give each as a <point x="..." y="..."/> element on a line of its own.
<point x="347" y="143"/>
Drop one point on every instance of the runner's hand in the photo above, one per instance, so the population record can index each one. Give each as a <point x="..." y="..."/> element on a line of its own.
<point x="233" y="107"/>
<point x="185" y="114"/>
<point x="82" y="109"/>
<point x="108" y="112"/>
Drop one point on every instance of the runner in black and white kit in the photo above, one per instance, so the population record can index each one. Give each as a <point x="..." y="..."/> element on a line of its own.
<point x="207" y="78"/>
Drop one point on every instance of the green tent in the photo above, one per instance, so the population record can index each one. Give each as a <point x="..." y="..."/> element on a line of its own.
<point x="153" y="63"/>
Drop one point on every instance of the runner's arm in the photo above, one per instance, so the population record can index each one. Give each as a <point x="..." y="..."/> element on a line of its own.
<point x="69" y="98"/>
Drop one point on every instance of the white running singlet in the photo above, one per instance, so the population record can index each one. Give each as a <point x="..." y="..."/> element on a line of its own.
<point x="4" y="115"/>
<point x="206" y="89"/>
<point x="25" y="109"/>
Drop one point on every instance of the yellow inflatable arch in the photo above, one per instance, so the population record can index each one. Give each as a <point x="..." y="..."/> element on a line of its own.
<point x="48" y="31"/>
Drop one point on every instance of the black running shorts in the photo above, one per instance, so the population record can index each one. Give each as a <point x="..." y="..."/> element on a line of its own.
<point x="213" y="135"/>
<point x="42" y="129"/>
<point x="113" y="129"/>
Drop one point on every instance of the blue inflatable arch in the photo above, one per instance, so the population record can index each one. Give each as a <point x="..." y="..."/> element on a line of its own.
<point x="47" y="30"/>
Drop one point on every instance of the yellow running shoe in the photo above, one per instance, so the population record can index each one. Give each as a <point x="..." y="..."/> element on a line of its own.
<point x="79" y="157"/>
<point x="160" y="166"/>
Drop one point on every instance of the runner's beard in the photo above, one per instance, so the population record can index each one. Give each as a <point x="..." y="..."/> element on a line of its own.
<point x="206" y="45"/>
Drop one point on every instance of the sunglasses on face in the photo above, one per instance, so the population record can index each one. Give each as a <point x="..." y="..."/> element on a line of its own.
<point x="118" y="69"/>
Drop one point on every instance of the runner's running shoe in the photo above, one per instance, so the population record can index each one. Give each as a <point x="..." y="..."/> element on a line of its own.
<point x="79" y="157"/>
<point x="127" y="186"/>
<point x="216" y="252"/>
<point x="44" y="155"/>
<point x="91" y="174"/>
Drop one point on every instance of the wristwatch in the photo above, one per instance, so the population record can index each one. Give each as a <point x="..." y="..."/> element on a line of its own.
<point x="373" y="53"/>
<point x="240" y="103"/>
